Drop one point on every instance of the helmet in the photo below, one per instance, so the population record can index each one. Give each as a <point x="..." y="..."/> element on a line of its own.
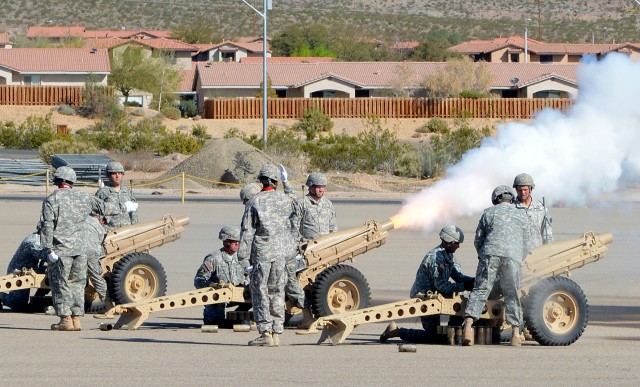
<point x="229" y="232"/>
<point x="523" y="179"/>
<point x="269" y="171"/>
<point x="114" y="166"/>
<point x="452" y="233"/>
<point x="249" y="191"/>
<point x="501" y="192"/>
<point x="316" y="178"/>
<point x="66" y="174"/>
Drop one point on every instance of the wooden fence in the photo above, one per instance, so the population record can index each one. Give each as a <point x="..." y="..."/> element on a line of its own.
<point x="43" y="95"/>
<point x="293" y="108"/>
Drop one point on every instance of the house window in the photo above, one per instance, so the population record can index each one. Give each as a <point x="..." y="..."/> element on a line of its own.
<point x="546" y="59"/>
<point x="548" y="94"/>
<point x="228" y="57"/>
<point x="363" y="93"/>
<point x="31" y="80"/>
<point x="510" y="93"/>
<point x="281" y="93"/>
<point x="515" y="58"/>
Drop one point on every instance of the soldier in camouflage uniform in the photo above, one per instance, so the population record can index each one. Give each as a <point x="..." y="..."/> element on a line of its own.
<point x="116" y="192"/>
<point x="249" y="191"/>
<point x="94" y="250"/>
<point x="63" y="221"/>
<point x="437" y="267"/>
<point x="539" y="217"/>
<point x="266" y="241"/>
<point x="29" y="255"/>
<point x="314" y="214"/>
<point x="501" y="242"/>
<point x="221" y="266"/>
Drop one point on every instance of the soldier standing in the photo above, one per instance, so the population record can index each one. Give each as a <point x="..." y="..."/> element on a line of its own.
<point x="249" y="191"/>
<point x="266" y="241"/>
<point x="63" y="221"/>
<point x="437" y="267"/>
<point x="221" y="266"/>
<point x="539" y="217"/>
<point x="94" y="249"/>
<point x="501" y="243"/>
<point x="116" y="192"/>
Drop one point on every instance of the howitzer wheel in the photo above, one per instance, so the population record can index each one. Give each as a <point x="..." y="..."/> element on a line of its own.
<point x="339" y="289"/>
<point x="137" y="277"/>
<point x="556" y="311"/>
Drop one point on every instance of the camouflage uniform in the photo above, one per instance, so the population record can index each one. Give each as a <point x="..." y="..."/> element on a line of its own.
<point x="95" y="251"/>
<point x="266" y="241"/>
<point x="501" y="240"/>
<point x="111" y="195"/>
<point x="433" y="276"/>
<point x="63" y="218"/>
<point x="219" y="267"/>
<point x="539" y="223"/>
<point x="29" y="255"/>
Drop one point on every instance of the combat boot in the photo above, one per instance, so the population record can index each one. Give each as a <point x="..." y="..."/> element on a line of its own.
<point x="306" y="326"/>
<point x="264" y="340"/>
<point x="391" y="331"/>
<point x="276" y="339"/>
<point x="467" y="332"/>
<point x="65" y="324"/>
<point x="516" y="341"/>
<point x="76" y="323"/>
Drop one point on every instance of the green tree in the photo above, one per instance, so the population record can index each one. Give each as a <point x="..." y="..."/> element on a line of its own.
<point x="433" y="50"/>
<point x="130" y="69"/>
<point x="195" y="31"/>
<point x="457" y="76"/>
<point x="166" y="77"/>
<point x="271" y="92"/>
<point x="296" y="36"/>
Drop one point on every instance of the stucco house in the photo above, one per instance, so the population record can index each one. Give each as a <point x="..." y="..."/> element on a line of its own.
<point x="230" y="51"/>
<point x="54" y="66"/>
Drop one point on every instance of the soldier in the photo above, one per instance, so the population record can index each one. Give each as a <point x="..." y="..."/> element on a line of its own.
<point x="116" y="192"/>
<point x="29" y="255"/>
<point x="63" y="221"/>
<point x="433" y="276"/>
<point x="94" y="250"/>
<point x="266" y="241"/>
<point x="221" y="266"/>
<point x="539" y="217"/>
<point x="314" y="216"/>
<point x="249" y="191"/>
<point x="501" y="243"/>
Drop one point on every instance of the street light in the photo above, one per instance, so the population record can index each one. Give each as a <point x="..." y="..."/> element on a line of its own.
<point x="526" y="47"/>
<point x="268" y="5"/>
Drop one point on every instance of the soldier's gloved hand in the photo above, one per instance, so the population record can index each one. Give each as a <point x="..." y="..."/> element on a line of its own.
<point x="52" y="257"/>
<point x="131" y="206"/>
<point x="283" y="173"/>
<point x="469" y="285"/>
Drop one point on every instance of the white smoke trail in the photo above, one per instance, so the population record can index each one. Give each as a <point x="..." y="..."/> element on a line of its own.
<point x="573" y="157"/>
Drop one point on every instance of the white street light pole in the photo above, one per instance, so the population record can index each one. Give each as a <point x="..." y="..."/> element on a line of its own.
<point x="266" y="6"/>
<point x="526" y="41"/>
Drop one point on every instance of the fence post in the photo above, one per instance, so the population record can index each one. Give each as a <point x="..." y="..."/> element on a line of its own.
<point x="182" y="188"/>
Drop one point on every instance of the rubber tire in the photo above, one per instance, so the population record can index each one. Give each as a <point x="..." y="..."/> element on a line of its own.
<point x="326" y="280"/>
<point x="534" y="311"/>
<point x="118" y="281"/>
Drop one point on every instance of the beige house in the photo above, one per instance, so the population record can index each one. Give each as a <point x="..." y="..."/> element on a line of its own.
<point x="54" y="66"/>
<point x="230" y="51"/>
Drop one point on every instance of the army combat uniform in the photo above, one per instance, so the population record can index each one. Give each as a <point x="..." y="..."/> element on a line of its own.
<point x="29" y="255"/>
<point x="219" y="267"/>
<point x="266" y="241"/>
<point x="111" y="195"/>
<point x="433" y="275"/>
<point x="501" y="240"/>
<point x="539" y="228"/>
<point x="94" y="250"/>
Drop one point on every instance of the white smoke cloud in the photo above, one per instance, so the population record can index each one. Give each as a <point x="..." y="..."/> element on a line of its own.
<point x="573" y="157"/>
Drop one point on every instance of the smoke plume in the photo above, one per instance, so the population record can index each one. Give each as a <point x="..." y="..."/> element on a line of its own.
<point x="573" y="157"/>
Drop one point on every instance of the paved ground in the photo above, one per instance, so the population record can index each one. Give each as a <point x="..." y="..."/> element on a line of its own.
<point x="171" y="350"/>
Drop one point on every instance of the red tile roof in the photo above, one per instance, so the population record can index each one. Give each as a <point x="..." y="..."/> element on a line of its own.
<point x="4" y="38"/>
<point x="55" y="60"/>
<point x="166" y="44"/>
<point x="55" y="32"/>
<point x="124" y="34"/>
<point x="405" y="45"/>
<point x="188" y="79"/>
<point x="287" y="59"/>
<point x="104" y="42"/>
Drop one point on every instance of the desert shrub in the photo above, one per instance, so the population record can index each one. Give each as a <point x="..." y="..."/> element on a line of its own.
<point x="474" y="94"/>
<point x="171" y="112"/>
<point x="67" y="145"/>
<point x="9" y="134"/>
<point x="234" y="132"/>
<point x="138" y="112"/>
<point x="178" y="142"/>
<point x="66" y="110"/>
<point x="434" y="125"/>
<point x="132" y="104"/>
<point x="450" y="147"/>
<point x="188" y="108"/>
<point x="200" y="131"/>
<point x="142" y="161"/>
<point x="313" y="121"/>
<point x="283" y="143"/>
<point x="97" y="102"/>
<point x="33" y="132"/>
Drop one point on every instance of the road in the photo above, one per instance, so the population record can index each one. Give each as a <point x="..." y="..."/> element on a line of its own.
<point x="170" y="349"/>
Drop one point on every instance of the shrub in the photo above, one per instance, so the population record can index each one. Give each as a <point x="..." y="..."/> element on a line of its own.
<point x="171" y="112"/>
<point x="188" y="108"/>
<point x="200" y="131"/>
<point x="451" y="146"/>
<point x="97" y="101"/>
<point x="138" y="112"/>
<point x="66" y="110"/>
<point x="178" y="142"/>
<point x="313" y="121"/>
<point x="32" y="133"/>
<point x="67" y="145"/>
<point x="132" y="104"/>
<point x="474" y="94"/>
<point x="434" y="125"/>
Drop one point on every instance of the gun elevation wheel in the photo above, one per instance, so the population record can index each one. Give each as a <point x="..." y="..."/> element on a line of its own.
<point x="339" y="289"/>
<point x="556" y="311"/>
<point x="137" y="277"/>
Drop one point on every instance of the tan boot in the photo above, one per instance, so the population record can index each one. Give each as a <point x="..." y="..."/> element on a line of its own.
<point x="76" y="323"/>
<point x="276" y="339"/>
<point x="264" y="340"/>
<point x="65" y="324"/>
<point x="307" y="325"/>
<point x="467" y="332"/>
<point x="391" y="331"/>
<point x="515" y="337"/>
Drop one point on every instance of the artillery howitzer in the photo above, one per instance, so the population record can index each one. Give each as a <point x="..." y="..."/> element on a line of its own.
<point x="555" y="309"/>
<point x="132" y="274"/>
<point x="332" y="286"/>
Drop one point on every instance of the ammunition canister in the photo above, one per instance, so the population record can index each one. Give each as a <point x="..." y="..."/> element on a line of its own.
<point x="488" y="335"/>
<point x="209" y="329"/>
<point x="451" y="335"/>
<point x="241" y="327"/>
<point x="406" y="347"/>
<point x="480" y="335"/>
<point x="458" y="337"/>
<point x="106" y="327"/>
